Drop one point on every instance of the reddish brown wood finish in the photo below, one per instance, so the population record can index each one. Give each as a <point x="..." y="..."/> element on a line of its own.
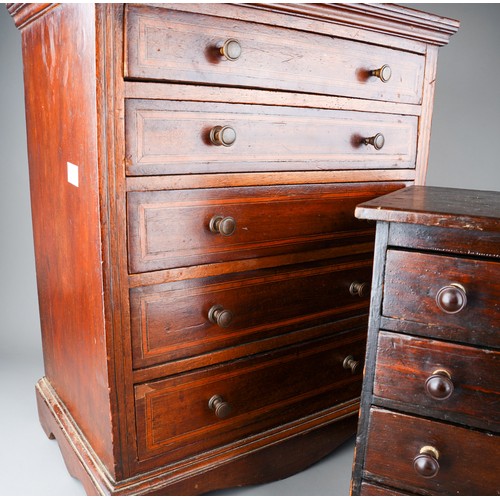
<point x="177" y="46"/>
<point x="171" y="321"/>
<point x="440" y="383"/>
<point x="59" y="63"/>
<point x="169" y="229"/>
<point x="82" y="108"/>
<point x="263" y="392"/>
<point x="394" y="440"/>
<point x="166" y="137"/>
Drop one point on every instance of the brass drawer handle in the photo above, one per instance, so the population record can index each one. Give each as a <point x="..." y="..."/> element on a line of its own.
<point x="451" y="299"/>
<point x="426" y="462"/>
<point x="224" y="226"/>
<point x="221" y="408"/>
<point x="222" y="136"/>
<point x="439" y="385"/>
<point x="377" y="141"/>
<point x="220" y="316"/>
<point x="351" y="364"/>
<point x="384" y="73"/>
<point x="359" y="289"/>
<point x="231" y="49"/>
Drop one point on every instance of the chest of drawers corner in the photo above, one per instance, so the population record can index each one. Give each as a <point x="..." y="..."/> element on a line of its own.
<point x="202" y="277"/>
<point x="430" y="410"/>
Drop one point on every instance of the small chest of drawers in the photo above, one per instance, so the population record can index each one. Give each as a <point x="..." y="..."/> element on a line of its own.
<point x="202" y="277"/>
<point x="430" y="410"/>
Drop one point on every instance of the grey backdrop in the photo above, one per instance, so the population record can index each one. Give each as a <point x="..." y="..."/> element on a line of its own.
<point x="465" y="135"/>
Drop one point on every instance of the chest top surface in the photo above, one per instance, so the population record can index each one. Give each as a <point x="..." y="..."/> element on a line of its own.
<point x="437" y="206"/>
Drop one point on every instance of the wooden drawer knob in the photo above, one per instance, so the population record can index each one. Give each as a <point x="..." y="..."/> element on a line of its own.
<point x="224" y="226"/>
<point x="221" y="408"/>
<point x="377" y="141"/>
<point x="220" y="316"/>
<point x="222" y="136"/>
<point x="426" y="462"/>
<point x="451" y="299"/>
<point x="439" y="385"/>
<point x="384" y="73"/>
<point x="359" y="289"/>
<point x="231" y="49"/>
<point x="351" y="364"/>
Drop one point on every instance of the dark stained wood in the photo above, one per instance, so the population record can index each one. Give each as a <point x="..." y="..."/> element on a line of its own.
<point x="467" y="209"/>
<point x="66" y="224"/>
<point x="431" y="375"/>
<point x="445" y="240"/>
<point x="170" y="321"/>
<point x="177" y="46"/>
<point x="298" y="323"/>
<point x="171" y="137"/>
<point x="368" y="489"/>
<point x="404" y="364"/>
<point x="413" y="280"/>
<point x="169" y="229"/>
<point x="379" y="263"/>
<point x="468" y="459"/>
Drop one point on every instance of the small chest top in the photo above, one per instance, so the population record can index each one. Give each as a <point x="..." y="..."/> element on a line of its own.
<point x="437" y="206"/>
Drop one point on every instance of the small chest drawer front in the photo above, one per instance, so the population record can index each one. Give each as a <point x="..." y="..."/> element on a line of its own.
<point x="174" y="415"/>
<point x="169" y="229"/>
<point x="444" y="380"/>
<point x="369" y="489"/>
<point x="467" y="463"/>
<point x="175" y="137"/>
<point x="459" y="298"/>
<point x="184" y="47"/>
<point x="193" y="317"/>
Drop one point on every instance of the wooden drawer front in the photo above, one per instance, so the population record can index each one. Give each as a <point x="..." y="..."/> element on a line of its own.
<point x="173" y="137"/>
<point x="168" y="229"/>
<point x="171" y="321"/>
<point x="413" y="281"/>
<point x="469" y="461"/>
<point x="173" y="415"/>
<point x="184" y="47"/>
<point x="368" y="489"/>
<point x="404" y="365"/>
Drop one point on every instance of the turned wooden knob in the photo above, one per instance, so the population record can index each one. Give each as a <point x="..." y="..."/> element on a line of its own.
<point x="224" y="226"/>
<point x="384" y="73"/>
<point x="426" y="462"/>
<point x="221" y="408"/>
<point x="220" y="316"/>
<point x="360" y="289"/>
<point x="222" y="136"/>
<point x="451" y="299"/>
<point x="377" y="141"/>
<point x="231" y="49"/>
<point x="351" y="364"/>
<point x="439" y="385"/>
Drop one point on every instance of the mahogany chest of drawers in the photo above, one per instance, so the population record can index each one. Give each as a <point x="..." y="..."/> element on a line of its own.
<point x="430" y="411"/>
<point x="202" y="278"/>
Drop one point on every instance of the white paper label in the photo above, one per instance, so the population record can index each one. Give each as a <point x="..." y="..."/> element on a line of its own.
<point x="72" y="174"/>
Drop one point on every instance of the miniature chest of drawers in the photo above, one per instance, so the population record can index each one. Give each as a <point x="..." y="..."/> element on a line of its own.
<point x="430" y="411"/>
<point x="202" y="278"/>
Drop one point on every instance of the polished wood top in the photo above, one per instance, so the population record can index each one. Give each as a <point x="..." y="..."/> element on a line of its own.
<point x="436" y="206"/>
